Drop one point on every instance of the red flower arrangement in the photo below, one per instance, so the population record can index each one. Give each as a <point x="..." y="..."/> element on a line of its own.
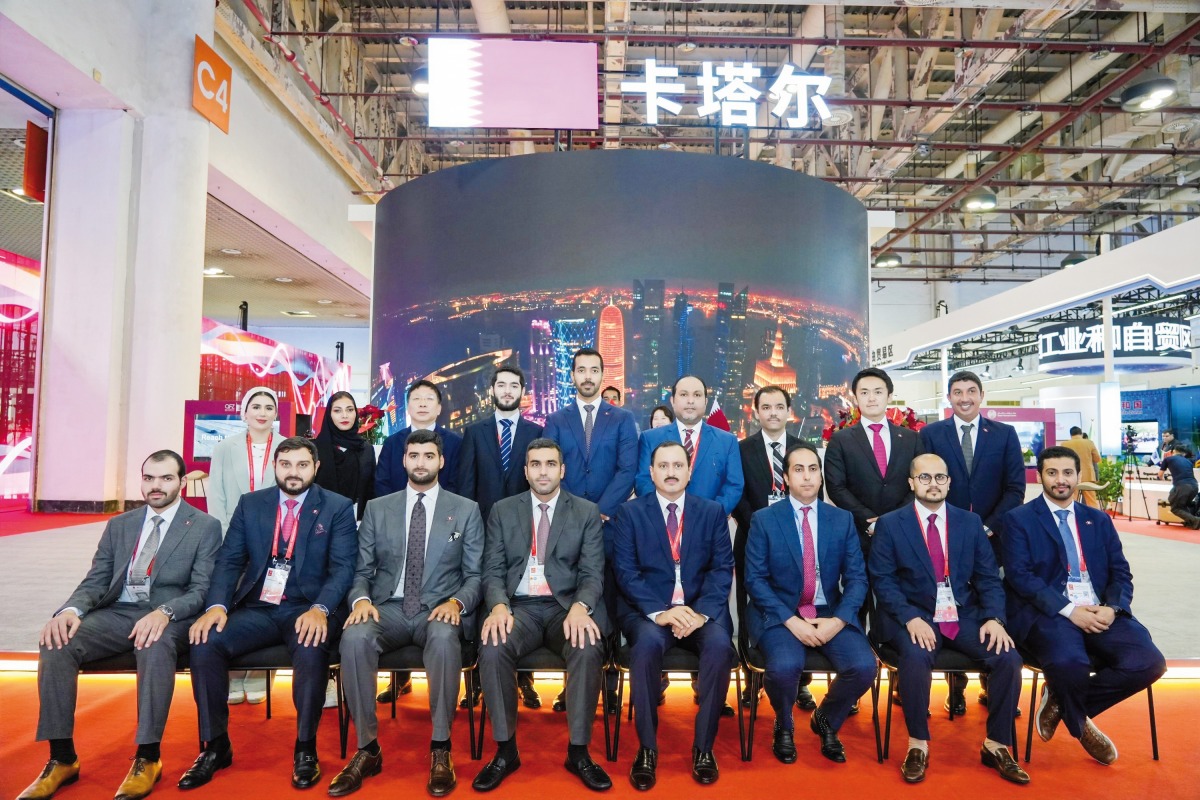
<point x="901" y="417"/>
<point x="368" y="427"/>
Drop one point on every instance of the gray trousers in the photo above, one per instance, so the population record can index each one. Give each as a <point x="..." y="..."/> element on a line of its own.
<point x="539" y="623"/>
<point x="105" y="632"/>
<point x="361" y="645"/>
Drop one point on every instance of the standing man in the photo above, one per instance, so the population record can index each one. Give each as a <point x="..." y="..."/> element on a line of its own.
<point x="424" y="406"/>
<point x="937" y="585"/>
<point x="489" y="463"/>
<point x="416" y="583"/>
<point x="674" y="567"/>
<point x="1089" y="458"/>
<point x="145" y="586"/>
<point x="1070" y="600"/>
<point x="807" y="582"/>
<point x="866" y="465"/>
<point x="1179" y="462"/>
<point x="543" y="581"/>
<point x="280" y="578"/>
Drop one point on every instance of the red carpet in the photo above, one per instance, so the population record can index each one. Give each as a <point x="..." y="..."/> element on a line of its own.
<point x="262" y="751"/>
<point x="1145" y="527"/>
<point x="25" y="522"/>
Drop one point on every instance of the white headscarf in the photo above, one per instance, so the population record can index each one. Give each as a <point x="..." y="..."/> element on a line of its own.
<point x="259" y="390"/>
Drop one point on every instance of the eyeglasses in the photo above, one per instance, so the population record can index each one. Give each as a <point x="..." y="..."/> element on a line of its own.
<point x="941" y="478"/>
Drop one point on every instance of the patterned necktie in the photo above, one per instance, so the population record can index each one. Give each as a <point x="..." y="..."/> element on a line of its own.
<point x="289" y="520"/>
<point x="688" y="445"/>
<point x="938" y="556"/>
<point x="414" y="558"/>
<point x="879" y="448"/>
<point x="588" y="422"/>
<point x="141" y="567"/>
<point x="967" y="447"/>
<point x="505" y="443"/>
<point x="1068" y="539"/>
<point x="673" y="534"/>
<point x="776" y="465"/>
<point x="543" y="532"/>
<point x="806" y="609"/>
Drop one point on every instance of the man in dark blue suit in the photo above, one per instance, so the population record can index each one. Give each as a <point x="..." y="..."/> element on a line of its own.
<point x="806" y="582"/>
<point x="674" y="567"/>
<point x="424" y="406"/>
<point x="987" y="475"/>
<point x="1069" y="601"/>
<point x="281" y="577"/>
<point x="937" y="585"/>
<point x="716" y="463"/>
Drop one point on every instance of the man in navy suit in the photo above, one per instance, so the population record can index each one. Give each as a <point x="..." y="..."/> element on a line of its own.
<point x="281" y="577"/>
<point x="1070" y="599"/>
<point x="424" y="406"/>
<point x="937" y="585"/>
<point x="716" y="464"/>
<point x="987" y="476"/>
<point x="806" y="582"/>
<point x="674" y="567"/>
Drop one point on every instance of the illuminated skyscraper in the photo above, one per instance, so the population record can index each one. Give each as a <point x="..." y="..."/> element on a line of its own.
<point x="647" y="343"/>
<point x="569" y="335"/>
<point x="685" y="343"/>
<point x="611" y="344"/>
<point x="773" y="370"/>
<point x="543" y="391"/>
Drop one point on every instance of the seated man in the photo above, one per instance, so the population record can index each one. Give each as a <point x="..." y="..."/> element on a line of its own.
<point x="1069" y="599"/>
<point x="937" y="585"/>
<point x="543" y="580"/>
<point x="146" y="585"/>
<point x="806" y="581"/>
<point x="280" y="577"/>
<point x="674" y="569"/>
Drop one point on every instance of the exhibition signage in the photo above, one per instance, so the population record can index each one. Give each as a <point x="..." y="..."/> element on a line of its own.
<point x="211" y="79"/>
<point x="1140" y="344"/>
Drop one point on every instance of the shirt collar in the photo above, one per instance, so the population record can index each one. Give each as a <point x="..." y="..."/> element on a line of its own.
<point x="866" y="422"/>
<point x="284" y="497"/>
<point x="416" y="427"/>
<point x="662" y="502"/>
<point x="552" y="502"/>
<point x="513" y="415"/>
<point x="959" y="422"/>
<point x="595" y="404"/>
<point x="1054" y="508"/>
<point x="430" y="494"/>
<point x="168" y="514"/>
<point x="695" y="429"/>
<point x="782" y="440"/>
<point x="797" y="505"/>
<point x="924" y="512"/>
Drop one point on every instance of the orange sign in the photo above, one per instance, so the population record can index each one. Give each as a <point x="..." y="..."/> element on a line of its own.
<point x="211" y="79"/>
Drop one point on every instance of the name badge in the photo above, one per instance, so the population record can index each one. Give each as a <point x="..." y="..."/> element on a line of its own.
<point x="1081" y="593"/>
<point x="139" y="591"/>
<point x="276" y="580"/>
<point x="537" y="577"/>
<point x="677" y="595"/>
<point x="944" y="609"/>
<point x="774" y="497"/>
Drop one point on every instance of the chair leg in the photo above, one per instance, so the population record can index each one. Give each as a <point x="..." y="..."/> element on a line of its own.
<point x="271" y="680"/>
<point x="469" y="678"/>
<point x="608" y="723"/>
<point x="616" y="744"/>
<point x="741" y="716"/>
<point x="887" y="732"/>
<point x="395" y="692"/>
<point x="756" y="680"/>
<point x="1153" y="722"/>
<point x="343" y="711"/>
<point x="875" y="715"/>
<point x="1032" y="710"/>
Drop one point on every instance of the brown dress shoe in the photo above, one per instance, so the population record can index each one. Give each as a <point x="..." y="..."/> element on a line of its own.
<point x="441" y="773"/>
<point x="362" y="765"/>
<point x="1003" y="762"/>
<point x="55" y="776"/>
<point x="140" y="780"/>
<point x="1049" y="714"/>
<point x="913" y="768"/>
<point x="1097" y="745"/>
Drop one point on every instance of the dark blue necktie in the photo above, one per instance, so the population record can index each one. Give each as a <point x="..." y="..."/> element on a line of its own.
<point x="505" y="443"/>
<point x="1064" y="531"/>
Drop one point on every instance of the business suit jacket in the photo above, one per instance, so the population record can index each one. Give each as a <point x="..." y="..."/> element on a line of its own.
<point x="775" y="566"/>
<point x="756" y="478"/>
<point x="480" y="475"/>
<point x="182" y="570"/>
<point x="853" y="479"/>
<point x="322" y="562"/>
<point x="1035" y="563"/>
<point x="574" y="553"/>
<point x="229" y="475"/>
<point x="453" y="552"/>
<point x="604" y="474"/>
<point x="996" y="484"/>
<point x="645" y="569"/>
<point x="902" y="572"/>
<point x="390" y="474"/>
<point x="716" y="469"/>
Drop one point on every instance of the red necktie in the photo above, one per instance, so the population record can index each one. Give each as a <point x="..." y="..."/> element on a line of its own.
<point x="878" y="447"/>
<point x="289" y="520"/>
<point x="687" y="444"/>
<point x="938" y="557"/>
<point x="807" y="609"/>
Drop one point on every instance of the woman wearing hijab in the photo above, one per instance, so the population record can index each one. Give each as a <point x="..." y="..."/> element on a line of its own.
<point x="347" y="462"/>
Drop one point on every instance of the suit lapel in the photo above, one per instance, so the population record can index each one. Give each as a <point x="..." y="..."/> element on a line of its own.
<point x="758" y="470"/>
<point x="786" y="523"/>
<point x="911" y="526"/>
<point x="706" y="433"/>
<point x="832" y="568"/>
<point x="127" y="539"/>
<point x="558" y="522"/>
<point x="658" y="528"/>
<point x="525" y="527"/>
<point x="1087" y="536"/>
<point x="492" y="443"/>
<point x="524" y="434"/>
<point x="1050" y="525"/>
<point x="900" y="447"/>
<point x="399" y="512"/>
<point x="956" y="543"/>
<point x="859" y="434"/>
<point x="575" y="423"/>
<point x="308" y="519"/>
<point x="441" y="526"/>
<point x="175" y="532"/>
<point x="951" y="443"/>
<point x="604" y="413"/>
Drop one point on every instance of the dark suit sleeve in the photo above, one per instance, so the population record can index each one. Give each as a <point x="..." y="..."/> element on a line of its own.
<point x="854" y="575"/>
<point x="343" y="554"/>
<point x="589" y="586"/>
<point x="189" y="603"/>
<point x="1019" y="569"/>
<point x="642" y="482"/>
<point x="1013" y="474"/>
<point x="231" y="561"/>
<point x="838" y="483"/>
<point x="471" y="591"/>
<point x="713" y="598"/>
<point x="451" y="447"/>
<point x="743" y="511"/>
<point x="986" y="577"/>
<point x="495" y="562"/>
<point x="385" y="480"/>
<point x="625" y="564"/>
<point x="99" y="577"/>
<point x="620" y="487"/>
<point x="735" y="482"/>
<point x="1118" y="591"/>
<point x="467" y="486"/>
<point x="757" y="573"/>
<point x="882" y="564"/>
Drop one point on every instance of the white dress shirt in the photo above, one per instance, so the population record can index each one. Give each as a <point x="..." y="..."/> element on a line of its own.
<point x="514" y="416"/>
<point x="958" y="426"/>
<point x="819" y="596"/>
<point x="410" y="500"/>
<point x="523" y="586"/>
<point x="885" y="433"/>
<point x="695" y="429"/>
<point x="1074" y="526"/>
<point x="923" y="515"/>
<point x="594" y="403"/>
<point x="662" y="505"/>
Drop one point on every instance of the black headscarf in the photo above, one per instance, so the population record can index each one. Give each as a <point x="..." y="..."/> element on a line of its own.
<point x="342" y="467"/>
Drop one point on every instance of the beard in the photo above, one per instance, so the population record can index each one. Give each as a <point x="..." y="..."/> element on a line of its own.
<point x="502" y="406"/>
<point x="283" y="487"/>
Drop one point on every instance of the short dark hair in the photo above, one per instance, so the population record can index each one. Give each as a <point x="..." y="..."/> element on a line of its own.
<point x="872" y="372"/>
<point x="424" y="437"/>
<point x="667" y="443"/>
<point x="611" y="388"/>
<point x="587" y="351"/>
<point x="1076" y="430"/>
<point x="168" y="455"/>
<point x="787" y="398"/>
<point x="428" y="385"/>
<point x="1168" y="430"/>
<point x="670" y="412"/>
<point x="1056" y="452"/>
<point x="801" y="445"/>
<point x="543" y="443"/>
<point x="509" y="368"/>
<point x="675" y="385"/>
<point x="1182" y="450"/>
<point x="959" y="377"/>
<point x="294" y="443"/>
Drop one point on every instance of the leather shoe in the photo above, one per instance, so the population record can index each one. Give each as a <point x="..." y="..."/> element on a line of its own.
<point x="496" y="771"/>
<point x="956" y="703"/>
<point x="747" y="698"/>
<point x="362" y="765"/>
<point x="140" y="780"/>
<point x="55" y="775"/>
<point x="642" y="773"/>
<point x="1003" y="762"/>
<point x="783" y="744"/>
<point x="704" y="767"/>
<point x="1049" y="714"/>
<point x="592" y="774"/>
<point x="831" y="745"/>
<point x="560" y="702"/>
<point x="804" y="699"/>
<point x="204" y="767"/>
<point x="392" y="692"/>
<point x="913" y="768"/>
<point x="529" y="695"/>
<point x="853" y="709"/>
<point x="306" y="770"/>
<point x="442" y="779"/>
<point x="471" y="697"/>
<point x="1097" y="745"/>
<point x="612" y="702"/>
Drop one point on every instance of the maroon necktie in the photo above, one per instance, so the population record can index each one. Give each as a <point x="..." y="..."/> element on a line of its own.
<point x="938" y="557"/>
<point x="878" y="447"/>
<point x="807" y="610"/>
<point x="688" y="445"/>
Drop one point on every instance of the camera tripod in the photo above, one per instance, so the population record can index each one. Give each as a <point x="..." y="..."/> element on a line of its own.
<point x="1129" y="474"/>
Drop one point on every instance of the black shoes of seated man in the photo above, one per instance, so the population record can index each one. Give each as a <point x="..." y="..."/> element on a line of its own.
<point x="306" y="770"/>
<point x="592" y="774"/>
<point x="204" y="767"/>
<point x="362" y="765"/>
<point x="494" y="773"/>
<point x="529" y="695"/>
<point x="392" y="691"/>
<point x="643" y="773"/>
<point x="956" y="700"/>
<point x="804" y="699"/>
<point x="783" y="744"/>
<point x="704" y="767"/>
<point x="831" y="745"/>
<point x="471" y="696"/>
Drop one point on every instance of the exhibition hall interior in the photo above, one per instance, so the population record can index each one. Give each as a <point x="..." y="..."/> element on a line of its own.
<point x="326" y="225"/>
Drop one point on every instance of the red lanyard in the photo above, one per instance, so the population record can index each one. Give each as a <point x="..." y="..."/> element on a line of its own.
<point x="533" y="549"/>
<point x="676" y="542"/>
<point x="1078" y="544"/>
<point x="946" y="549"/>
<point x="250" y="459"/>
<point x="275" y="542"/>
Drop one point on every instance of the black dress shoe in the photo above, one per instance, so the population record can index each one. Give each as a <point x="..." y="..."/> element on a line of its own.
<point x="494" y="773"/>
<point x="956" y="701"/>
<point x="592" y="774"/>
<point x="471" y="697"/>
<point x="391" y="692"/>
<point x="747" y="697"/>
<point x="642" y="773"/>
<point x="853" y="709"/>
<point x="831" y="745"/>
<point x="442" y="779"/>
<point x="804" y="699"/>
<point x="560" y="702"/>
<point x="704" y="767"/>
<point x="529" y="695"/>
<point x="783" y="745"/>
<point x="306" y="770"/>
<point x="362" y="765"/>
<point x="205" y="766"/>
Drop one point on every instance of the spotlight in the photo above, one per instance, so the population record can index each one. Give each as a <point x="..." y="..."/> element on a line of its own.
<point x="1148" y="93"/>
<point x="924" y="149"/>
<point x="1072" y="259"/>
<point x="978" y="200"/>
<point x="888" y="260"/>
<point x="420" y="80"/>
<point x="686" y="47"/>
<point x="408" y="41"/>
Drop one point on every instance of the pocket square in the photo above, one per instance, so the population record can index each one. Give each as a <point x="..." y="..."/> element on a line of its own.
<point x="319" y="530"/>
<point x="454" y="536"/>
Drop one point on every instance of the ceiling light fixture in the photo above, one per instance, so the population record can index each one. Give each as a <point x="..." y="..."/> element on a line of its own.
<point x="284" y="279"/>
<point x="825" y="50"/>
<point x="420" y="80"/>
<point x="324" y="302"/>
<point x="1072" y="259"/>
<point x="231" y="251"/>
<point x="888" y="260"/>
<point x="1150" y="92"/>
<point x="1100" y="54"/>
<point x="666" y="146"/>
<point x="408" y="41"/>
<point x="19" y="142"/>
<point x="351" y="315"/>
<point x="298" y="313"/>
<point x="981" y="199"/>
<point x="213" y="271"/>
<point x="686" y="46"/>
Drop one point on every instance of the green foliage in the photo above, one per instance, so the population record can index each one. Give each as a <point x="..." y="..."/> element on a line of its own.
<point x="1110" y="472"/>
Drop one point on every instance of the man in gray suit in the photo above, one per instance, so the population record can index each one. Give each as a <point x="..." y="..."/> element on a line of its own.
<point x="543" y="581"/>
<point x="146" y="584"/>
<point x="416" y="583"/>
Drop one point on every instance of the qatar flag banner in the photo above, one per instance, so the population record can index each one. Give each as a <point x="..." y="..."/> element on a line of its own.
<point x="498" y="83"/>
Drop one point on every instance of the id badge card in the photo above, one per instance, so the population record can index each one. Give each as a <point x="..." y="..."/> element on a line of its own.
<point x="276" y="580"/>
<point x="1080" y="592"/>
<point x="537" y="578"/>
<point x="140" y="592"/>
<point x="677" y="595"/>
<point x="944" y="609"/>
<point x="774" y="497"/>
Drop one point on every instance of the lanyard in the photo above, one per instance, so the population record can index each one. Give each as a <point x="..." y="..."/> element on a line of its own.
<point x="676" y="542"/>
<point x="149" y="567"/>
<point x="250" y="459"/>
<point x="275" y="542"/>
<point x="945" y="550"/>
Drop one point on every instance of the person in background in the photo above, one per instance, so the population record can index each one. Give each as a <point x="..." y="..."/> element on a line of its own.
<point x="347" y="460"/>
<point x="612" y="395"/>
<point x="1089" y="457"/>
<point x="1178" y="462"/>
<point x="660" y="416"/>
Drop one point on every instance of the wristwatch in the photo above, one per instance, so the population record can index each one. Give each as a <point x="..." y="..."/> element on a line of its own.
<point x="166" y="609"/>
<point x="320" y="608"/>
